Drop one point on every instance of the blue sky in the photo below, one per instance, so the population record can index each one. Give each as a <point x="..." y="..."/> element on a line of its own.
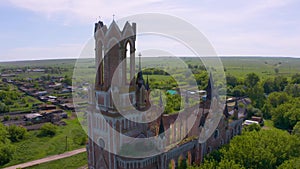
<point x="35" y="29"/>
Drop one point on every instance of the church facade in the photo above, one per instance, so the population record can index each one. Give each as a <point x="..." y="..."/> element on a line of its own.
<point x="111" y="123"/>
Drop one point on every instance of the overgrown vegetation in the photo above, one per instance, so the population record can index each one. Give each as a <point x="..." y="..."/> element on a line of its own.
<point x="33" y="147"/>
<point x="11" y="99"/>
<point x="48" y="129"/>
<point x="256" y="149"/>
<point x="6" y="148"/>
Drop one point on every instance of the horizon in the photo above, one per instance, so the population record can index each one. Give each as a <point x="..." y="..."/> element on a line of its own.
<point x="51" y="59"/>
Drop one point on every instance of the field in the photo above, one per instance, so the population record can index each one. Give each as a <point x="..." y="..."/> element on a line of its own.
<point x="263" y="66"/>
<point x="238" y="66"/>
<point x="34" y="147"/>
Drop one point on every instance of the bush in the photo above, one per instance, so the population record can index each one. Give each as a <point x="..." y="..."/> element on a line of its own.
<point x="28" y="123"/>
<point x="48" y="129"/>
<point x="6" y="153"/>
<point x="16" y="133"/>
<point x="79" y="137"/>
<point x="252" y="127"/>
<point x="6" y="149"/>
<point x="3" y="108"/>
<point x="6" y="118"/>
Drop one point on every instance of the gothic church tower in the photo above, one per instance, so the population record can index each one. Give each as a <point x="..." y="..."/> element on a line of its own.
<point x="116" y="88"/>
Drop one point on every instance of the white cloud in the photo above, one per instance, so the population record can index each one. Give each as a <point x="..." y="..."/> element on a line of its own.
<point x="86" y="11"/>
<point x="51" y="52"/>
<point x="234" y="27"/>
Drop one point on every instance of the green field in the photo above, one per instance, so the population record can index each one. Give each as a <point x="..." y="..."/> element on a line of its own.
<point x="262" y="66"/>
<point x="34" y="147"/>
<point x="238" y="66"/>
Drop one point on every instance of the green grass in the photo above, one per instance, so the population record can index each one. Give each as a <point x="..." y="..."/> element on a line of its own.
<point x="263" y="66"/>
<point x="34" y="147"/>
<point x="72" y="162"/>
<point x="20" y="104"/>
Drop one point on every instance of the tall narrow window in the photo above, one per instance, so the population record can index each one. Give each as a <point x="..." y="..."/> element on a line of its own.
<point x="102" y="65"/>
<point x="128" y="66"/>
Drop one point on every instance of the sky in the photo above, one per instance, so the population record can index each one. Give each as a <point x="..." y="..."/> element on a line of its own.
<point x="57" y="29"/>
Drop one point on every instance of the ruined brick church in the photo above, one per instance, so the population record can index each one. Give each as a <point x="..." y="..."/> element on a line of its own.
<point x="112" y="125"/>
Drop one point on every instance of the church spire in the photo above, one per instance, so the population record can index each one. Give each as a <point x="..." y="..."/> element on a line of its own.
<point x="161" y="131"/>
<point x="160" y="101"/>
<point x="140" y="80"/>
<point x="147" y="84"/>
<point x="209" y="88"/>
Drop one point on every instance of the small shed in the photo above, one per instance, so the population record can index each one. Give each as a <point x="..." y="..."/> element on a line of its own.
<point x="33" y="117"/>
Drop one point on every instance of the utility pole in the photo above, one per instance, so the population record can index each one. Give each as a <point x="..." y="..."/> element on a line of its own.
<point x="66" y="148"/>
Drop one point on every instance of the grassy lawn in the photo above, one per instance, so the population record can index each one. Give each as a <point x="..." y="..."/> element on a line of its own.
<point x="75" y="161"/>
<point x="34" y="147"/>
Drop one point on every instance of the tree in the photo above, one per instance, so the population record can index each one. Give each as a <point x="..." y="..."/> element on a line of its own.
<point x="276" y="70"/>
<point x="6" y="153"/>
<point x="6" y="149"/>
<point x="231" y="80"/>
<point x="264" y="149"/>
<point x="223" y="164"/>
<point x="256" y="94"/>
<point x="68" y="80"/>
<point x="16" y="133"/>
<point x="268" y="85"/>
<point x="296" y="78"/>
<point x="290" y="164"/>
<point x="286" y="115"/>
<point x="251" y="80"/>
<point x="238" y="91"/>
<point x="252" y="111"/>
<point x="266" y="110"/>
<point x="3" y="134"/>
<point x="278" y="98"/>
<point x="3" y="108"/>
<point x="48" y="129"/>
<point x="173" y="103"/>
<point x="252" y="127"/>
<point x="229" y="164"/>
<point x="6" y="118"/>
<point x="207" y="164"/>
<point x="201" y="79"/>
<point x="293" y="90"/>
<point x="182" y="164"/>
<point x="296" y="129"/>
<point x="279" y="83"/>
